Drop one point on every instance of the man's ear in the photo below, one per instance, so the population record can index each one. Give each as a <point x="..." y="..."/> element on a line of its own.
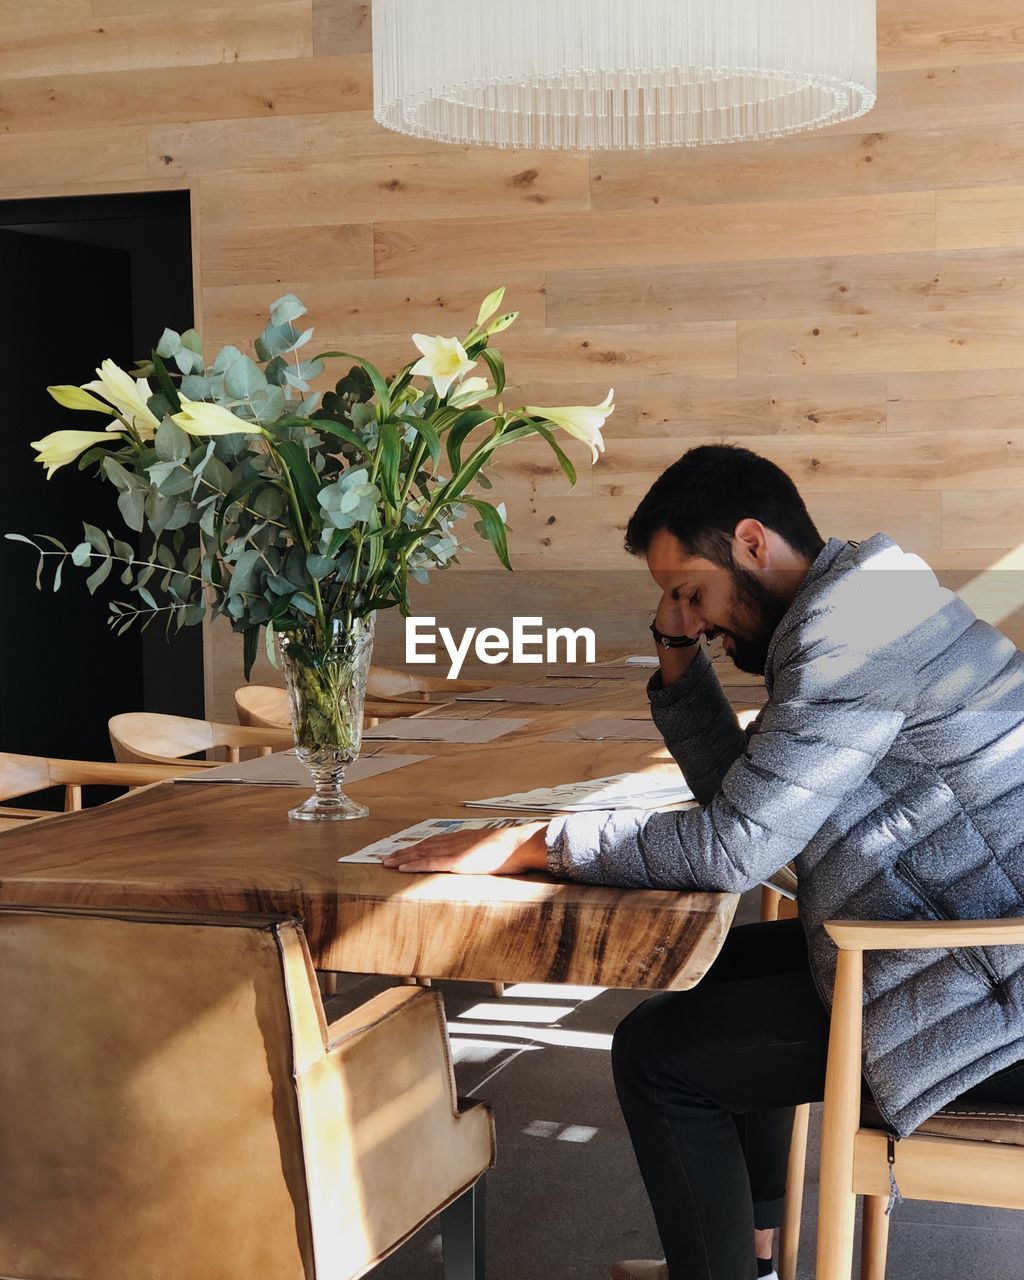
<point x="751" y="543"/>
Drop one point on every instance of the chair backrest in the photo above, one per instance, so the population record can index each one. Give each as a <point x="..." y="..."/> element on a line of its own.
<point x="147" y="1111"/>
<point x="142" y="735"/>
<point x="262" y="705"/>
<point x="172" y="1103"/>
<point x="386" y="682"/>
<point x="148" y="737"/>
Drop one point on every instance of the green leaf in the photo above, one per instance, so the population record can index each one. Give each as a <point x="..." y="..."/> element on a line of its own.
<point x="191" y="339"/>
<point x="57" y="575"/>
<point x="389" y="453"/>
<point x="172" y="444"/>
<point x="460" y="429"/>
<point x="285" y="309"/>
<point x="380" y="386"/>
<point x="564" y="461"/>
<point x="496" y="364"/>
<point x="250" y="646"/>
<point x="319" y="566"/>
<point x="98" y="578"/>
<point x="82" y="554"/>
<point x="244" y="378"/>
<point x="241" y="577"/>
<point x="343" y="433"/>
<point x="132" y="505"/>
<point x="304" y="478"/>
<point x="166" y="385"/>
<point x="169" y="344"/>
<point x="427" y="431"/>
<point x="96" y="538"/>
<point x="269" y="637"/>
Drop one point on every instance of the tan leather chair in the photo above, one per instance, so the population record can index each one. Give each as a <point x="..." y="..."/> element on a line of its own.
<point x="173" y="1103"/>
<point x="965" y="1154"/>
<point x="145" y="737"/>
<point x="23" y="775"/>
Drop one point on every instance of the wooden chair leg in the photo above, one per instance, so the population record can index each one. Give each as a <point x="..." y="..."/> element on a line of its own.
<point x="498" y="989"/>
<point x="770" y="902"/>
<point x="789" y="1233"/>
<point x="462" y="1235"/>
<point x="327" y="982"/>
<point x="874" y="1239"/>
<point x="837" y="1206"/>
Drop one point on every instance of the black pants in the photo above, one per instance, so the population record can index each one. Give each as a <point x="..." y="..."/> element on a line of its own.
<point x="707" y="1080"/>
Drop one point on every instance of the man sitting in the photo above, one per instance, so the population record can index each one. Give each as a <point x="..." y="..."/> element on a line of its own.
<point x="888" y="762"/>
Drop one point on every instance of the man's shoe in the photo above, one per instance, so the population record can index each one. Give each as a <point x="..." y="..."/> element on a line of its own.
<point x="640" y="1270"/>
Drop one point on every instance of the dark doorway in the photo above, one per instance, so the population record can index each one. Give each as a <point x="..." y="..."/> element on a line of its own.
<point x="85" y="279"/>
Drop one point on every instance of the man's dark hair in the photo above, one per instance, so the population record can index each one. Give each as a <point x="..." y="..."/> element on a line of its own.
<point x="702" y="498"/>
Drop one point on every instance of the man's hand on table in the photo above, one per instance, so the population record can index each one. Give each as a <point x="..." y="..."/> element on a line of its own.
<point x="502" y="851"/>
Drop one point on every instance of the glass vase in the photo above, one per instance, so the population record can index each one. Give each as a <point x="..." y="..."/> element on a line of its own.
<point x="326" y="679"/>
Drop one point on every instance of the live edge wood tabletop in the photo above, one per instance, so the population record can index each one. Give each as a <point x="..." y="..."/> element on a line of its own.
<point x="204" y="847"/>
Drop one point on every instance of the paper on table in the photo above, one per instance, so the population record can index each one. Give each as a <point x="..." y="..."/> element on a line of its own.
<point x="621" y="730"/>
<point x="643" y="660"/>
<point x="617" y="791"/>
<point x="440" y="729"/>
<point x="431" y="827"/>
<point x="538" y="693"/>
<point x="285" y="769"/>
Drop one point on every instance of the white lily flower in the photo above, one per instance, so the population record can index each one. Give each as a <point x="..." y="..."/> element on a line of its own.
<point x="444" y="361"/>
<point x="583" y="422"/>
<point x="70" y="397"/>
<point x="471" y="392"/>
<point x="199" y="418"/>
<point x="127" y="396"/>
<point x="61" y="447"/>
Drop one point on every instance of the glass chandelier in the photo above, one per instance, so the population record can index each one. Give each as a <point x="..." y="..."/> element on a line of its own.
<point x="590" y="74"/>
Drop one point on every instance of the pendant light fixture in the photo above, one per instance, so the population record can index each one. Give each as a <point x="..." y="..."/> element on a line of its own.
<point x="620" y="74"/>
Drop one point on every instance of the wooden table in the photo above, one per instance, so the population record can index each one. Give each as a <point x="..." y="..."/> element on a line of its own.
<point x="205" y="847"/>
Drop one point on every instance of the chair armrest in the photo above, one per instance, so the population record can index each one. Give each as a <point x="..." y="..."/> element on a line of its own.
<point x="370" y="1014"/>
<point x="382" y="1132"/>
<point x="918" y="935"/>
<point x="100" y="773"/>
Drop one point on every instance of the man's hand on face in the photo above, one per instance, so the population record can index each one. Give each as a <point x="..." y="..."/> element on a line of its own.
<point x="669" y="618"/>
<point x="503" y="851"/>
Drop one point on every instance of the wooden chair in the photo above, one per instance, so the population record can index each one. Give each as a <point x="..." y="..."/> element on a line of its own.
<point x="958" y="1156"/>
<point x="183" y="1108"/>
<point x="23" y="775"/>
<point x="142" y="737"/>
<point x="389" y="693"/>
<point x="266" y="706"/>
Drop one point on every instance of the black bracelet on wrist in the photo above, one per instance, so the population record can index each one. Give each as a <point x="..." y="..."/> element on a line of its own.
<point x="672" y="642"/>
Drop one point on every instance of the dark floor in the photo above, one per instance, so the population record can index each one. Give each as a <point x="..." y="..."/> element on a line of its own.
<point x="565" y="1200"/>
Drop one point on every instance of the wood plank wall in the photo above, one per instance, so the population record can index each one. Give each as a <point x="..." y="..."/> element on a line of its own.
<point x="849" y="303"/>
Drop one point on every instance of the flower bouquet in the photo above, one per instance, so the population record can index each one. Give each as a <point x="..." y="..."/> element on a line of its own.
<point x="292" y="512"/>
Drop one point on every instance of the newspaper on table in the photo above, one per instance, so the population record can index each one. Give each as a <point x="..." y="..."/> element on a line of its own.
<point x="422" y="830"/>
<point x="617" y="791"/>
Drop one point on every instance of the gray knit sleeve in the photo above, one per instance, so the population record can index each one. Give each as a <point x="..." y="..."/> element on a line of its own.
<point x="699" y="726"/>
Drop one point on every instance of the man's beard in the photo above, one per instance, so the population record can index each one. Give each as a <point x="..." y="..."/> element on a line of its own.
<point x="764" y="610"/>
